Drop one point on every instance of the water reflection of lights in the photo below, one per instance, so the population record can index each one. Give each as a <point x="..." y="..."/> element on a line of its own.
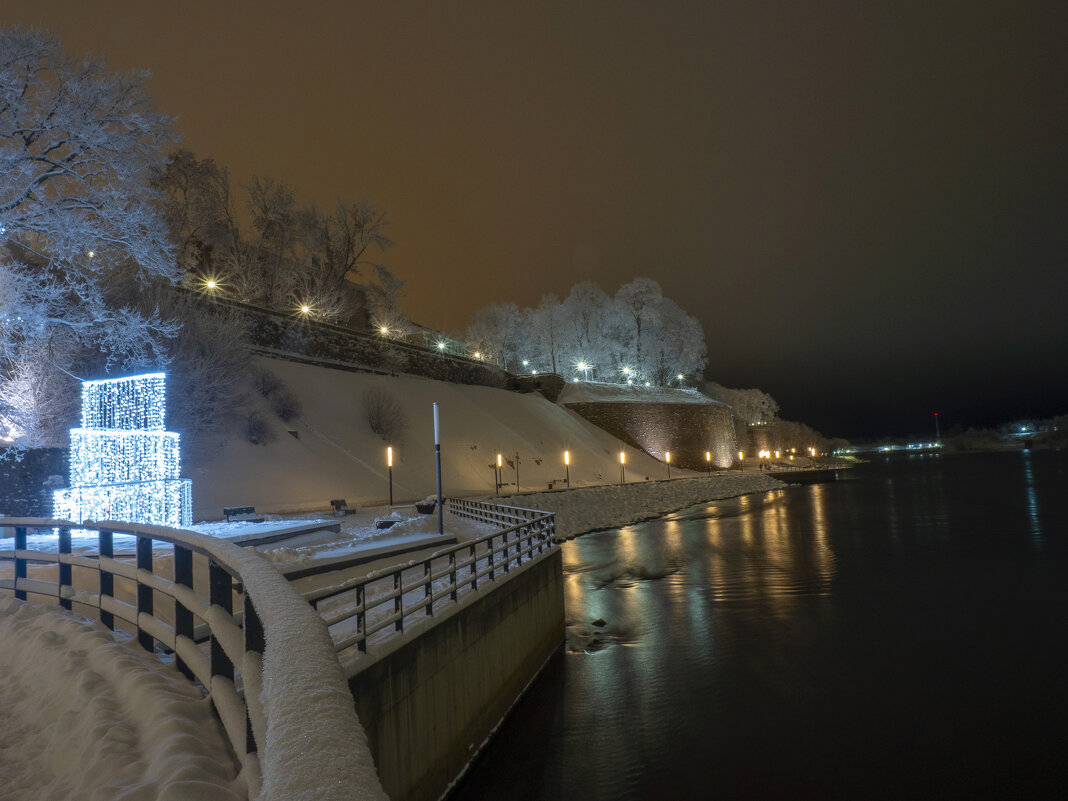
<point x="1032" y="500"/>
<point x="822" y="552"/>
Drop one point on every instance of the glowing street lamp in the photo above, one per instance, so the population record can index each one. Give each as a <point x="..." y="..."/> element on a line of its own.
<point x="708" y="460"/>
<point x="389" y="464"/>
<point x="622" y="467"/>
<point x="500" y="464"/>
<point x="441" y="346"/>
<point x="305" y="309"/>
<point x="567" y="467"/>
<point x="667" y="459"/>
<point x="741" y="461"/>
<point x="585" y="368"/>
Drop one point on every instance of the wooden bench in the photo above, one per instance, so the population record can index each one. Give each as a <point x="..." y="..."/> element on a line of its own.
<point x="244" y="514"/>
<point x="341" y="508"/>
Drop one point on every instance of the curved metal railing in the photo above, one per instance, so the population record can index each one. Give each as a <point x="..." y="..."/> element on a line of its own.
<point x="214" y="609"/>
<point x="368" y="609"/>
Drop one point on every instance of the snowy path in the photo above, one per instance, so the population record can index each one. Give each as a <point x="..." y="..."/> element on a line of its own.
<point x="83" y="716"/>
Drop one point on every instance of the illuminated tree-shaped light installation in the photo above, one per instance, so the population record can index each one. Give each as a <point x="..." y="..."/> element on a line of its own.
<point x="123" y="464"/>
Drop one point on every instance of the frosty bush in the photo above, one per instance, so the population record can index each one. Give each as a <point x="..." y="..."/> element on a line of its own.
<point x="265" y="382"/>
<point x="385" y="415"/>
<point x="286" y="405"/>
<point x="257" y="429"/>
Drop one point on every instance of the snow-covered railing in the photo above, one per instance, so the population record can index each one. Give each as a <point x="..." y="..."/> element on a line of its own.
<point x="368" y="609"/>
<point x="268" y="666"/>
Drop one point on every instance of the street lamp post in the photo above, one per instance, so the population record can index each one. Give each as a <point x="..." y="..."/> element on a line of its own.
<point x="497" y="473"/>
<point x="517" y="471"/>
<point x="389" y="464"/>
<point x="741" y="461"/>
<point x="708" y="460"/>
<point x="622" y="467"/>
<point x="567" y="467"/>
<point x="667" y="459"/>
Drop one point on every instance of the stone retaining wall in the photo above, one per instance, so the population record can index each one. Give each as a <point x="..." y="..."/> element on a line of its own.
<point x="687" y="430"/>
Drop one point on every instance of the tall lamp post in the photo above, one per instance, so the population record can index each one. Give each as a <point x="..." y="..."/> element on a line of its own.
<point x="497" y="473"/>
<point x="622" y="467"/>
<point x="667" y="459"/>
<point x="389" y="464"/>
<point x="567" y="467"/>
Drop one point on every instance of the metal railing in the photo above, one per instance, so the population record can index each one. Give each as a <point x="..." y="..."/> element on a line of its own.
<point x="369" y="609"/>
<point x="171" y="600"/>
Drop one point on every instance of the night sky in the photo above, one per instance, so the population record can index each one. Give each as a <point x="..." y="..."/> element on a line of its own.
<point x="863" y="203"/>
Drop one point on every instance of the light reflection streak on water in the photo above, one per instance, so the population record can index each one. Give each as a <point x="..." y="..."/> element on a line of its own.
<point x="1032" y="501"/>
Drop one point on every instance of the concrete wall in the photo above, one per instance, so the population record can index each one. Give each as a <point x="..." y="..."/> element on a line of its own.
<point x="428" y="705"/>
<point x="687" y="430"/>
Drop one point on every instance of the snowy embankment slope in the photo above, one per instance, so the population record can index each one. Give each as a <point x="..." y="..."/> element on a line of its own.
<point x="336" y="455"/>
<point x="83" y="716"/>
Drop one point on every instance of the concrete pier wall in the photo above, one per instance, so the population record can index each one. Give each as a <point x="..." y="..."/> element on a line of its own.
<point x="429" y="704"/>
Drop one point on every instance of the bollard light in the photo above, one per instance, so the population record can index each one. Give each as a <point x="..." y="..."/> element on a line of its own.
<point x="389" y="464"/>
<point x="567" y="466"/>
<point x="667" y="459"/>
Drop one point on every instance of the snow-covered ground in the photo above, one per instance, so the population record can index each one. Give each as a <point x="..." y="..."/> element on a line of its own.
<point x="332" y="452"/>
<point x="86" y="716"/>
<point x="588" y="508"/>
<point x="597" y="392"/>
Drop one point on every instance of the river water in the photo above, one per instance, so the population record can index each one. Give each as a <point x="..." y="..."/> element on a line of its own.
<point x="898" y="633"/>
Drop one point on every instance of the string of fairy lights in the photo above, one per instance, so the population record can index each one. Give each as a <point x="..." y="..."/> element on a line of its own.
<point x="123" y="464"/>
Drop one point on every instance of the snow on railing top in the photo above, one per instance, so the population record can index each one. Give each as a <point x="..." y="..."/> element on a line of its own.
<point x="297" y="712"/>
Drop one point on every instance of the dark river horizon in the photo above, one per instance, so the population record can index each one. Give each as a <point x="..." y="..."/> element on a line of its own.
<point x="898" y="633"/>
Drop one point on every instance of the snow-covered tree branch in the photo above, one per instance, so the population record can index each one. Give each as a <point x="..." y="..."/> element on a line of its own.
<point x="77" y="144"/>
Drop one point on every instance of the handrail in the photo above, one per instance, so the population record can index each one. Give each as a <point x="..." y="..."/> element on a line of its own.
<point x="386" y="601"/>
<point x="275" y="642"/>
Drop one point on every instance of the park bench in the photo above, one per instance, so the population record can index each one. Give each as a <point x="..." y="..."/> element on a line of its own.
<point x="341" y="508"/>
<point x="244" y="514"/>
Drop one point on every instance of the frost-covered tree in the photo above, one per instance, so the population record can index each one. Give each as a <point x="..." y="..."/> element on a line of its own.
<point x="545" y="331"/>
<point x="640" y="302"/>
<point x="587" y="309"/>
<point x="495" y="333"/>
<point x="752" y="406"/>
<point x="198" y="213"/>
<point x="383" y="302"/>
<point x="295" y="255"/>
<point x="676" y="344"/>
<point x="608" y="337"/>
<point x="77" y="146"/>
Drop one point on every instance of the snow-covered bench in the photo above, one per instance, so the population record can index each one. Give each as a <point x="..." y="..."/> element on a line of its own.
<point x="245" y="514"/>
<point x="341" y="508"/>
